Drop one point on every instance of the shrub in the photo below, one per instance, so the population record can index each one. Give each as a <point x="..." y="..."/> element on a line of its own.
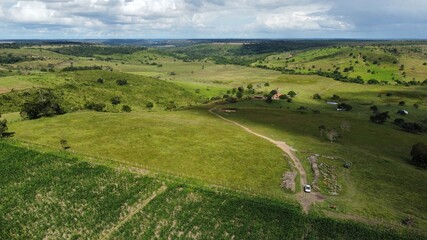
<point x="317" y="96"/>
<point x="231" y="100"/>
<point x="239" y="94"/>
<point x="126" y="108"/>
<point x="115" y="100"/>
<point x="419" y="155"/>
<point x="399" y="122"/>
<point x="335" y="97"/>
<point x="402" y="103"/>
<point x="373" y="81"/>
<point x="292" y="94"/>
<point x="121" y="82"/>
<point x="380" y="118"/>
<point x="99" y="107"/>
<point x="344" y="107"/>
<point x="266" y="84"/>
<point x="149" y="105"/>
<point x="250" y="86"/>
<point x="3" y="126"/>
<point x="100" y="80"/>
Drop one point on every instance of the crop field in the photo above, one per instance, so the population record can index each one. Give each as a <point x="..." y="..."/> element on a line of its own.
<point x="54" y="196"/>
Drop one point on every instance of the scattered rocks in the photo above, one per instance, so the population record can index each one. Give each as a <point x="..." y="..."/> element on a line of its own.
<point x="288" y="180"/>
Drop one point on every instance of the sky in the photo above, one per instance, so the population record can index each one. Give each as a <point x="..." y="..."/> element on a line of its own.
<point x="88" y="19"/>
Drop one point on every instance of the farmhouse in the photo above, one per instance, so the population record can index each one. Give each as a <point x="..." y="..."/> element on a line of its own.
<point x="276" y="96"/>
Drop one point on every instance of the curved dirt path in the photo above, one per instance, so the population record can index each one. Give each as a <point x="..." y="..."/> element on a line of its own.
<point x="305" y="199"/>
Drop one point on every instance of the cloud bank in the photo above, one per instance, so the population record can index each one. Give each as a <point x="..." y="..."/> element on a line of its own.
<point x="212" y="19"/>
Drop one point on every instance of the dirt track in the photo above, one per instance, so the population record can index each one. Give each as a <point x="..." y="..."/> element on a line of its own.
<point x="305" y="199"/>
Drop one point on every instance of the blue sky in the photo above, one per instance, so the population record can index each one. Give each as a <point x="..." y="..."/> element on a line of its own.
<point x="62" y="19"/>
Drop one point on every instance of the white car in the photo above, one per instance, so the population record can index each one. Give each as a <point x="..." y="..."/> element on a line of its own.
<point x="307" y="188"/>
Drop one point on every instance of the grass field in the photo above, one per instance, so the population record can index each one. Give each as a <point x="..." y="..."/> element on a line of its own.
<point x="54" y="196"/>
<point x="186" y="143"/>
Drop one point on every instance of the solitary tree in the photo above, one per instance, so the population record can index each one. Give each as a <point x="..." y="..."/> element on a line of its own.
<point x="292" y="94"/>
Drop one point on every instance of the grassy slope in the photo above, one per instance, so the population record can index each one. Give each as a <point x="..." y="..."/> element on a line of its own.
<point x="381" y="170"/>
<point x="75" y="89"/>
<point x="328" y="59"/>
<point x="186" y="143"/>
<point x="52" y="196"/>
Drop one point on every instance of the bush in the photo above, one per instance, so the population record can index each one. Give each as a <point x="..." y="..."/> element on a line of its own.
<point x="399" y="122"/>
<point x="344" y="107"/>
<point x="126" y="108"/>
<point x="100" y="80"/>
<point x="335" y="97"/>
<point x="121" y="82"/>
<point x="149" y="105"/>
<point x="373" y="81"/>
<point x="317" y="96"/>
<point x="402" y="103"/>
<point x="419" y="155"/>
<point x="115" y="100"/>
<point x="3" y="127"/>
<point x="292" y="94"/>
<point x="380" y="118"/>
<point x="266" y="84"/>
<point x="99" y="107"/>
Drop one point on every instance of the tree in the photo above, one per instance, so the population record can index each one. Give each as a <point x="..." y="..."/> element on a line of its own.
<point x="239" y="94"/>
<point x="250" y="86"/>
<point x="266" y="84"/>
<point x="402" y="103"/>
<point x="241" y="89"/>
<point x="292" y="94"/>
<point x="332" y="135"/>
<point x="100" y="80"/>
<point x="149" y="105"/>
<point x="44" y="105"/>
<point x="419" y="155"/>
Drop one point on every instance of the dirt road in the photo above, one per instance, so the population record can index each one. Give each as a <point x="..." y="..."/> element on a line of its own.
<point x="305" y="199"/>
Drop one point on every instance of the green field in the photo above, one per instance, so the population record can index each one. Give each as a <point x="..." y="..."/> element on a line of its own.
<point x="186" y="143"/>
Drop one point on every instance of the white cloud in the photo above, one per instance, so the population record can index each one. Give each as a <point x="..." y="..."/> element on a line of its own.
<point x="213" y="18"/>
<point x="308" y="17"/>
